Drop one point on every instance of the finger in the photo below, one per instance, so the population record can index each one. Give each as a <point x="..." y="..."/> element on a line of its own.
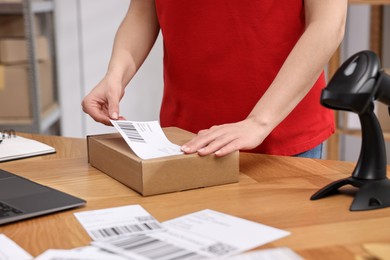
<point x="113" y="110"/>
<point x="227" y="149"/>
<point x="218" y="145"/>
<point x="101" y="116"/>
<point x="202" y="139"/>
<point x="113" y="104"/>
<point x="240" y="143"/>
<point x="97" y="111"/>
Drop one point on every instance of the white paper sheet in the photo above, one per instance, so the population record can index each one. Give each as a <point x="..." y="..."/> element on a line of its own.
<point x="20" y="147"/>
<point x="106" y="223"/>
<point x="10" y="250"/>
<point x="146" y="139"/>
<point x="279" y="253"/>
<point x="200" y="235"/>
<point x="85" y="253"/>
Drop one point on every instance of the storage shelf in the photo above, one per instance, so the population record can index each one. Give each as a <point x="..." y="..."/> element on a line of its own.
<point x="17" y="8"/>
<point x="49" y="117"/>
<point x="40" y="121"/>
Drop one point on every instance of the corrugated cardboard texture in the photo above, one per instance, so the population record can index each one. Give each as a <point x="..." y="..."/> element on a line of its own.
<point x="110" y="154"/>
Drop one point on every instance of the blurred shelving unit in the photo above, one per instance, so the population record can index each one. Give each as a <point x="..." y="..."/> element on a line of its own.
<point x="40" y="121"/>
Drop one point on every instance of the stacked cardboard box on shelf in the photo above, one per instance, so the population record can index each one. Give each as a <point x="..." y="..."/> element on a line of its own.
<point x="13" y="26"/>
<point x="15" y="82"/>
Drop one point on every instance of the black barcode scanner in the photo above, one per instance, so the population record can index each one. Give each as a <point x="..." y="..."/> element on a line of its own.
<point x="354" y="87"/>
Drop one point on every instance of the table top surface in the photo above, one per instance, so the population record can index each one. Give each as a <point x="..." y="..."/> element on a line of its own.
<point x="272" y="190"/>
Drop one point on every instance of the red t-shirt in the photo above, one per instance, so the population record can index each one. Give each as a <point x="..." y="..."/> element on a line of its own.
<point x="221" y="56"/>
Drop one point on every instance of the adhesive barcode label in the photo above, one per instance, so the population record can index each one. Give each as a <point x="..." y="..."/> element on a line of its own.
<point x="149" y="247"/>
<point x="125" y="229"/>
<point x="146" y="139"/>
<point x="131" y="132"/>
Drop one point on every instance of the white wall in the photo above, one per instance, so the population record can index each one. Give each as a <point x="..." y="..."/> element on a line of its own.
<point x="69" y="72"/>
<point x="85" y="32"/>
<point x="357" y="38"/>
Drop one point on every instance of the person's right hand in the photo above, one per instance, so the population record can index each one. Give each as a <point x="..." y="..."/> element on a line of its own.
<point x="102" y="103"/>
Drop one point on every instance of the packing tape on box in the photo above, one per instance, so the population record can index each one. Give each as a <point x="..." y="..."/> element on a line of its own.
<point x="2" y="77"/>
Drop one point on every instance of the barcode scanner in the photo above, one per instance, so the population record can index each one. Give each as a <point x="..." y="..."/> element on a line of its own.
<point x="354" y="87"/>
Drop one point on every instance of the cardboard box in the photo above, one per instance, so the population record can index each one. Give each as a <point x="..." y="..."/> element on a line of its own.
<point x="14" y="50"/>
<point x="111" y="154"/>
<point x="15" y="95"/>
<point x="13" y="25"/>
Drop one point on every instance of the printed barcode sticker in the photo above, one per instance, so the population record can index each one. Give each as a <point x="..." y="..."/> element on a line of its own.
<point x="156" y="246"/>
<point x="146" y="139"/>
<point x="107" y="223"/>
<point x="130" y="131"/>
<point x="125" y="229"/>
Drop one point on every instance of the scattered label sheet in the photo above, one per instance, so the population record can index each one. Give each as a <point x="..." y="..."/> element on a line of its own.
<point x="146" y="139"/>
<point x="10" y="250"/>
<point x="112" y="222"/>
<point x="85" y="253"/>
<point x="279" y="253"/>
<point x="200" y="235"/>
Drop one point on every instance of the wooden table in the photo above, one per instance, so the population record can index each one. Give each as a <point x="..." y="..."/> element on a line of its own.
<point x="273" y="190"/>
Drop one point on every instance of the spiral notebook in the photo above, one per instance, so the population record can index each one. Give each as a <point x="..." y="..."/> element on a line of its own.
<point x="14" y="147"/>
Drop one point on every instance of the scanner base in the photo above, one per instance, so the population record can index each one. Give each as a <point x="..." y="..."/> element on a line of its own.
<point x="372" y="194"/>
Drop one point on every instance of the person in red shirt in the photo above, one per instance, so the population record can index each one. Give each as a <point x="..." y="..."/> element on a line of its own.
<point x="243" y="75"/>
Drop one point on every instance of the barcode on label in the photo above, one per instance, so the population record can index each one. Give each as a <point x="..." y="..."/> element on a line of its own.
<point x="126" y="229"/>
<point x="131" y="132"/>
<point x="154" y="248"/>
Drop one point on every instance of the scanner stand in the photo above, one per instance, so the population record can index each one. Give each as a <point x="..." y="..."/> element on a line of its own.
<point x="369" y="174"/>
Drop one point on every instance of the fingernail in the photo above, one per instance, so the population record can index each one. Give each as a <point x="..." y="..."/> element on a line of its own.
<point x="185" y="148"/>
<point x="201" y="150"/>
<point x="114" y="115"/>
<point x="217" y="152"/>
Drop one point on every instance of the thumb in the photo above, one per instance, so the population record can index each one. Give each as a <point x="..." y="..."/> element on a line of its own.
<point x="113" y="106"/>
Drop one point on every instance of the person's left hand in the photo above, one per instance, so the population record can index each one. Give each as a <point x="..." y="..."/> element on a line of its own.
<point x="224" y="139"/>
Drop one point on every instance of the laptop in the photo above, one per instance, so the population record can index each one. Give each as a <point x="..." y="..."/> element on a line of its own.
<point x="21" y="198"/>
